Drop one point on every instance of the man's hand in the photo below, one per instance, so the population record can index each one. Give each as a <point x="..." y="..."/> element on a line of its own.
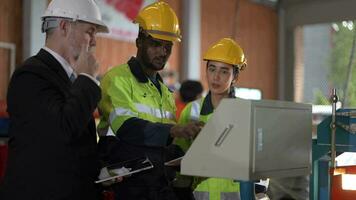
<point x="86" y="62"/>
<point x="112" y="181"/>
<point x="104" y="173"/>
<point x="188" y="131"/>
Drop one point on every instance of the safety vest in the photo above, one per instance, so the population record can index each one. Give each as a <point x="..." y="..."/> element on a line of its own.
<point x="126" y="95"/>
<point x="210" y="188"/>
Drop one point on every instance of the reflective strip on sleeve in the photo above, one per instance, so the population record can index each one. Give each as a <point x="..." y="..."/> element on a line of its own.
<point x="195" y="110"/>
<point x="230" y="196"/>
<point x="169" y="115"/>
<point x="105" y="132"/>
<point x="154" y="112"/>
<point x="110" y="132"/>
<point x="201" y="195"/>
<point x="121" y="112"/>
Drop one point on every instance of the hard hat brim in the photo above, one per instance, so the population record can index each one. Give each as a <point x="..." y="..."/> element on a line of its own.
<point x="240" y="65"/>
<point x="102" y="27"/>
<point x="165" y="37"/>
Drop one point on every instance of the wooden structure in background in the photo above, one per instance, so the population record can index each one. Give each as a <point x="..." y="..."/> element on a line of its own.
<point x="10" y="32"/>
<point x="113" y="52"/>
<point x="253" y="26"/>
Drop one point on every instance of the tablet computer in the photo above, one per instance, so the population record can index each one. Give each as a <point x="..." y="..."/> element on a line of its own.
<point x="124" y="168"/>
<point x="174" y="162"/>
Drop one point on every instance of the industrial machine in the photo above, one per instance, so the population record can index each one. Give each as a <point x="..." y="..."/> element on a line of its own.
<point x="253" y="139"/>
<point x="335" y="135"/>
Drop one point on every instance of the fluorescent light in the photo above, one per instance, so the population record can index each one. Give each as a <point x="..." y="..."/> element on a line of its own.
<point x="348" y="181"/>
<point x="346" y="159"/>
<point x="248" y="93"/>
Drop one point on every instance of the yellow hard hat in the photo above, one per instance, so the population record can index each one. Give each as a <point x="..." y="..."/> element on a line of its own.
<point x="227" y="51"/>
<point x="160" y="21"/>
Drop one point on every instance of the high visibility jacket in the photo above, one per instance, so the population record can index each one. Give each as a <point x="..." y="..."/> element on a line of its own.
<point x="127" y="93"/>
<point x="210" y="188"/>
<point x="136" y="116"/>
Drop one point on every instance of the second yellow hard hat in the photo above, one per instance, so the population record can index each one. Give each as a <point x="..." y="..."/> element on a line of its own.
<point x="227" y="51"/>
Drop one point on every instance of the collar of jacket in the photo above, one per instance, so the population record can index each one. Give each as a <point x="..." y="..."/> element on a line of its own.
<point x="207" y="107"/>
<point x="137" y="71"/>
<point x="53" y="64"/>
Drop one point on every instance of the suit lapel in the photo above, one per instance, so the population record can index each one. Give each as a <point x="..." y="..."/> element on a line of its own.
<point x="53" y="65"/>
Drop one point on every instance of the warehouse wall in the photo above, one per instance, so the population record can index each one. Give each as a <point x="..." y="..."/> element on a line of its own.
<point x="10" y="32"/>
<point x="254" y="27"/>
<point x="113" y="52"/>
<point x="290" y="17"/>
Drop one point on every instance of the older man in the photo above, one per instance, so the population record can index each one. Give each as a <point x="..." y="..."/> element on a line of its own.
<point x="51" y="98"/>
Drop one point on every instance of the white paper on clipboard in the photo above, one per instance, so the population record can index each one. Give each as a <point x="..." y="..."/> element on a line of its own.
<point x="174" y="162"/>
<point x="125" y="168"/>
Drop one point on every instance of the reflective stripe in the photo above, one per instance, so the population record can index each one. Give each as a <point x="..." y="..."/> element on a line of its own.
<point x="229" y="196"/>
<point x="105" y="132"/>
<point x="195" y="110"/>
<point x="143" y="109"/>
<point x="201" y="195"/>
<point x="163" y="33"/>
<point x="154" y="112"/>
<point x="110" y="132"/>
<point x="121" y="112"/>
<point x="140" y="108"/>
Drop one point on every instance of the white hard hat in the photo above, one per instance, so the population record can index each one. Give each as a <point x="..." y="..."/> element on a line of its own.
<point x="83" y="10"/>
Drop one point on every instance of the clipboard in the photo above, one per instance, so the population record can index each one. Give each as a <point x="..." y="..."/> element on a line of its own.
<point x="174" y="162"/>
<point x="125" y="168"/>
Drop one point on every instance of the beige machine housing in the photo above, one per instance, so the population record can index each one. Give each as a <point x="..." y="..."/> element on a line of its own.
<point x="253" y="139"/>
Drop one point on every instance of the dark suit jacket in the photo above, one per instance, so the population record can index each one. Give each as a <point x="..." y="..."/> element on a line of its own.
<point x="52" y="145"/>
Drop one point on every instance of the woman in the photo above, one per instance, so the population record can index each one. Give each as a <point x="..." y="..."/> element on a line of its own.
<point x="225" y="60"/>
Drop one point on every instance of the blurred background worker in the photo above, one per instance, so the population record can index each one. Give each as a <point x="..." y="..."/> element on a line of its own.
<point x="51" y="99"/>
<point x="189" y="91"/>
<point x="138" y="110"/>
<point x="225" y="60"/>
